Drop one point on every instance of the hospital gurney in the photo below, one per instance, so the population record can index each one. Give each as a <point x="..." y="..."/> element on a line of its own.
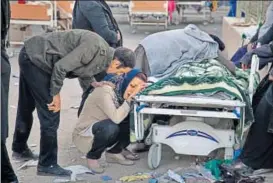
<point x="192" y="136"/>
<point x="33" y="13"/>
<point x="148" y="13"/>
<point x="205" y="13"/>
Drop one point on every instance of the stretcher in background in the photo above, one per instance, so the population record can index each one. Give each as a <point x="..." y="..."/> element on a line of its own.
<point x="148" y="13"/>
<point x="33" y="13"/>
<point x="204" y="9"/>
<point x="119" y="7"/>
<point x="192" y="136"/>
<point x="65" y="10"/>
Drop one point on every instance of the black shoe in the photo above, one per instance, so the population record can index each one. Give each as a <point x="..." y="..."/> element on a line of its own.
<point x="26" y="155"/>
<point x="13" y="180"/>
<point x="53" y="170"/>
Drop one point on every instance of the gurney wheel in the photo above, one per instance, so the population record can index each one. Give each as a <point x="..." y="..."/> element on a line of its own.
<point x="154" y="156"/>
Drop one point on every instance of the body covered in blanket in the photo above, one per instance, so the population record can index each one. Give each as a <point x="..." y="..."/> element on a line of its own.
<point x="207" y="78"/>
<point x="167" y="50"/>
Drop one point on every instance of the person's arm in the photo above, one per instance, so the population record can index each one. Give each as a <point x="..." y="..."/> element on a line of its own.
<point x="117" y="115"/>
<point x="255" y="37"/>
<point x="86" y="82"/>
<point x="265" y="51"/>
<point x="95" y="15"/>
<point x="267" y="37"/>
<point x="228" y="64"/>
<point x="80" y="56"/>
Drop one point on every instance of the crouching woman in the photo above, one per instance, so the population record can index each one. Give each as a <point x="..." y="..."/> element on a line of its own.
<point x="100" y="125"/>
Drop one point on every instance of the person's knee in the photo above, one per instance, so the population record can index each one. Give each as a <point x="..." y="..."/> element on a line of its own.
<point x="111" y="131"/>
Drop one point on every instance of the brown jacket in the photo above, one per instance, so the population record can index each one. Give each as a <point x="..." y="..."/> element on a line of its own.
<point x="98" y="106"/>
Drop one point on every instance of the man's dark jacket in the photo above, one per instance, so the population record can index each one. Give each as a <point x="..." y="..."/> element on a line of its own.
<point x="5" y="69"/>
<point x="69" y="54"/>
<point x="96" y="16"/>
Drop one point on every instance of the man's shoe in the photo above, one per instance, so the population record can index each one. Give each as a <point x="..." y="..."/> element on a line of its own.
<point x="26" y="155"/>
<point x="118" y="159"/>
<point x="53" y="170"/>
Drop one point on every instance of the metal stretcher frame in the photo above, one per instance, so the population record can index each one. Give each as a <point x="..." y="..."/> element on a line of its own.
<point x="48" y="18"/>
<point x="141" y="107"/>
<point x="135" y="11"/>
<point x="206" y="12"/>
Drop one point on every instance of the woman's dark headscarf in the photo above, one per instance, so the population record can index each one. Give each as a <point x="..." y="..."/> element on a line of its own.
<point x="121" y="82"/>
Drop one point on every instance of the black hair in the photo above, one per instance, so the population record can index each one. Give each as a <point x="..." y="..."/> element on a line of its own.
<point x="219" y="41"/>
<point x="142" y="76"/>
<point x="126" y="57"/>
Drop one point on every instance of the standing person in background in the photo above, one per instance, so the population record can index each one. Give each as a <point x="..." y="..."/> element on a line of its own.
<point x="233" y="8"/>
<point x="7" y="173"/>
<point x="97" y="16"/>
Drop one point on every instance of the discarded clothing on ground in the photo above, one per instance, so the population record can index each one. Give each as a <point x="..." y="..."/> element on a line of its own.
<point x="137" y="177"/>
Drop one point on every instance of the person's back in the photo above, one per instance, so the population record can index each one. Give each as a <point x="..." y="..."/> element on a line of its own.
<point x="79" y="20"/>
<point x="97" y="16"/>
<point x="47" y="49"/>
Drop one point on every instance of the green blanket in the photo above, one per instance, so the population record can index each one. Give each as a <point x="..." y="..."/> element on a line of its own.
<point x="207" y="78"/>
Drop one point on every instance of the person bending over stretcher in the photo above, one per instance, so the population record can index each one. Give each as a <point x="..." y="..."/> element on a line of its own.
<point x="168" y="48"/>
<point x="45" y="61"/>
<point x="101" y="123"/>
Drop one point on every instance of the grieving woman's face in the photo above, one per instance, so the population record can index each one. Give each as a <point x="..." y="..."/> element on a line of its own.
<point x="133" y="87"/>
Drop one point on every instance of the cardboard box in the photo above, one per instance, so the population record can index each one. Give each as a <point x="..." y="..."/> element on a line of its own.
<point x="232" y="35"/>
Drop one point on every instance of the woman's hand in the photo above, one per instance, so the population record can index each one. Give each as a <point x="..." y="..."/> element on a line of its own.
<point x="137" y="90"/>
<point x="250" y="47"/>
<point x="270" y="77"/>
<point x="245" y="66"/>
<point x="55" y="105"/>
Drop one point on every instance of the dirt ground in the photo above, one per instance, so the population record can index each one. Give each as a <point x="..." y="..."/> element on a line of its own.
<point x="71" y="94"/>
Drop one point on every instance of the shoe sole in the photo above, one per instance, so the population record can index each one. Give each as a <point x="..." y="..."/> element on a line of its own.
<point x="51" y="175"/>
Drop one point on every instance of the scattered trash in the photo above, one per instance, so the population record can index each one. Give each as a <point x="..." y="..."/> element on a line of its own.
<point x="213" y="167"/>
<point x="12" y="106"/>
<point x="165" y="178"/>
<point x="174" y="176"/>
<point x="106" y="178"/>
<point x="77" y="170"/>
<point x="61" y="180"/>
<point x="177" y="157"/>
<point x="83" y="157"/>
<point x="17" y="161"/>
<point x="206" y="173"/>
<point x="72" y="146"/>
<point x="16" y="84"/>
<point x="75" y="107"/>
<point x="153" y="180"/>
<point x="32" y="145"/>
<point x="30" y="163"/>
<point x="73" y="160"/>
<point x="15" y="76"/>
<point x="132" y="178"/>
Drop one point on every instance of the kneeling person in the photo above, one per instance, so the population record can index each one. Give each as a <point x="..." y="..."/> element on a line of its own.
<point x="101" y="122"/>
